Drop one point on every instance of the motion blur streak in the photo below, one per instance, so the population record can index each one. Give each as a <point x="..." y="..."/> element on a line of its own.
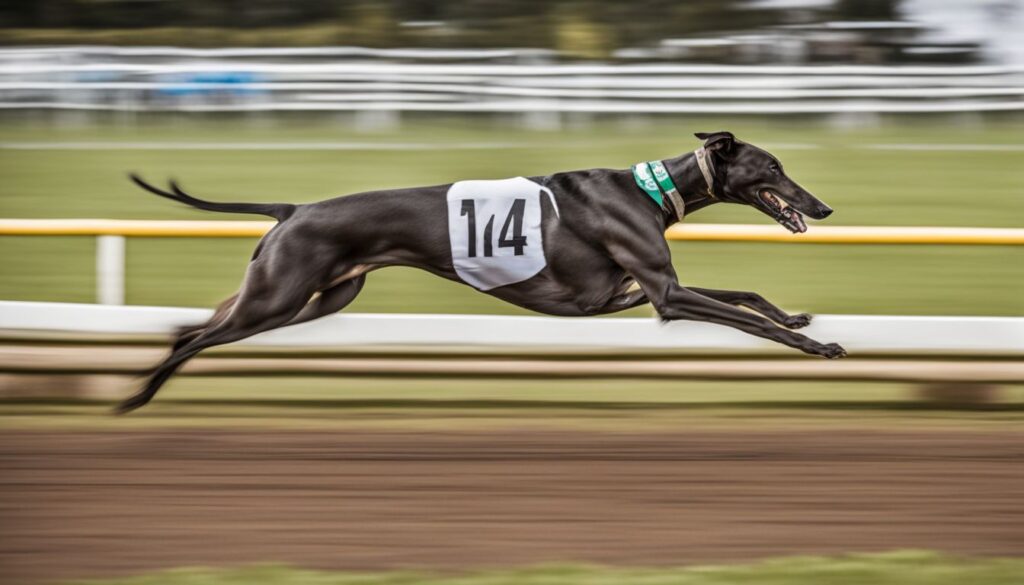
<point x="455" y="500"/>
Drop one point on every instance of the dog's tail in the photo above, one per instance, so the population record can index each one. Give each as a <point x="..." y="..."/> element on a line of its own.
<point x="279" y="211"/>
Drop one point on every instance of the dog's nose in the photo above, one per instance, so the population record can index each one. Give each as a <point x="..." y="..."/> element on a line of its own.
<point x="824" y="212"/>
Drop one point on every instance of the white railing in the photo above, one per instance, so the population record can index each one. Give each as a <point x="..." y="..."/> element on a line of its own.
<point x="507" y="81"/>
<point x="865" y="334"/>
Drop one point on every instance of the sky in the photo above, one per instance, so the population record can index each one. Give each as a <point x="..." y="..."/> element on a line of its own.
<point x="996" y="24"/>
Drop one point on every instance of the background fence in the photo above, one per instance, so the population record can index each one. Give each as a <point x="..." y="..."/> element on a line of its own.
<point x="531" y="82"/>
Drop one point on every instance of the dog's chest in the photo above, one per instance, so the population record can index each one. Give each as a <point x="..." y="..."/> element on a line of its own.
<point x="494" y="228"/>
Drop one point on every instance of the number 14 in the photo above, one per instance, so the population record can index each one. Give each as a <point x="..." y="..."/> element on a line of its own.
<point x="514" y="219"/>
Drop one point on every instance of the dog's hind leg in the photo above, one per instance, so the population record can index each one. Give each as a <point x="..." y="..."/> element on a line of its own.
<point x="329" y="301"/>
<point x="264" y="303"/>
<point x="755" y="302"/>
<point x="325" y="302"/>
<point x="186" y="334"/>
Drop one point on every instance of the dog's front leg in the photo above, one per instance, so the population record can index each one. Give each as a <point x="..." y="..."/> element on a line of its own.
<point x="756" y="302"/>
<point x="679" y="302"/>
<point x="652" y="269"/>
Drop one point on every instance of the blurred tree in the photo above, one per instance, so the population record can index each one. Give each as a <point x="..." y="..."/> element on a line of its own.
<point x="591" y="28"/>
<point x="420" y="10"/>
<point x="372" y="22"/>
<point x="867" y="9"/>
<point x="578" y="34"/>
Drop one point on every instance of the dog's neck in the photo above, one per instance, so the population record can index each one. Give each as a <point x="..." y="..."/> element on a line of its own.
<point x="686" y="174"/>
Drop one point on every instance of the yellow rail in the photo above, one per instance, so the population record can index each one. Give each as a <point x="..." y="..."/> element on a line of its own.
<point x="688" y="232"/>
<point x="134" y="227"/>
<point x="848" y="234"/>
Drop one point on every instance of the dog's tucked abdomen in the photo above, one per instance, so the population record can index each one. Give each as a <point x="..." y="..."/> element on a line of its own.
<point x="494" y="228"/>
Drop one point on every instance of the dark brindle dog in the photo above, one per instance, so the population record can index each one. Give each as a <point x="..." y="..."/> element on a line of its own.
<point x="576" y="243"/>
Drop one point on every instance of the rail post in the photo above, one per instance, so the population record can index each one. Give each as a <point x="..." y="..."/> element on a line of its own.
<point x="110" y="269"/>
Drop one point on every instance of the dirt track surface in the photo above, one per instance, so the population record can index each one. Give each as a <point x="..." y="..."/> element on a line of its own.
<point x="90" y="504"/>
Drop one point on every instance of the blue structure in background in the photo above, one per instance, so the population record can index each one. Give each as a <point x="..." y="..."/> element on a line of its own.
<point x="209" y="83"/>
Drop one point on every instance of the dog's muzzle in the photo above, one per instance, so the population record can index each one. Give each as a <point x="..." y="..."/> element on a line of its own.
<point x="783" y="213"/>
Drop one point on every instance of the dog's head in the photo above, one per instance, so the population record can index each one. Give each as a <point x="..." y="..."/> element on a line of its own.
<point x="749" y="175"/>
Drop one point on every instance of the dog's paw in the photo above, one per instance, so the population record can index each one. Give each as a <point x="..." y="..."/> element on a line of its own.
<point x="832" y="351"/>
<point x="130" y="404"/>
<point x="798" y="321"/>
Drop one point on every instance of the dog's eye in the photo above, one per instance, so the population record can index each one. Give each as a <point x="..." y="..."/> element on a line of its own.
<point x="774" y="168"/>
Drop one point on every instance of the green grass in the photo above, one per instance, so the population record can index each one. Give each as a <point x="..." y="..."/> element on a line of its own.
<point x="435" y="403"/>
<point x="583" y="392"/>
<point x="893" y="568"/>
<point x="869" y="187"/>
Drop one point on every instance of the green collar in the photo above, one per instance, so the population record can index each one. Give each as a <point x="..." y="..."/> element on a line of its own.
<point x="653" y="178"/>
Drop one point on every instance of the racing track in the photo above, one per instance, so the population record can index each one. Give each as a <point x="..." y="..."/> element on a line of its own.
<point x="89" y="504"/>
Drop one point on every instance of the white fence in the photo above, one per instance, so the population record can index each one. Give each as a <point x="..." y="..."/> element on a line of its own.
<point x="509" y="81"/>
<point x="865" y="334"/>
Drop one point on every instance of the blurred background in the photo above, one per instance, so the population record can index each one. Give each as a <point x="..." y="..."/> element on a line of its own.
<point x="894" y="112"/>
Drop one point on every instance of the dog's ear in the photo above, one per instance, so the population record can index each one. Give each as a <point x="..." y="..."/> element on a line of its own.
<point x="721" y="141"/>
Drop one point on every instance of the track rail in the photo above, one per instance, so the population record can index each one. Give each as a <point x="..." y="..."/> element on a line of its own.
<point x="680" y="232"/>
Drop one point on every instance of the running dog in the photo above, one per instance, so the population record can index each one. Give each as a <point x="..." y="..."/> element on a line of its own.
<point x="577" y="243"/>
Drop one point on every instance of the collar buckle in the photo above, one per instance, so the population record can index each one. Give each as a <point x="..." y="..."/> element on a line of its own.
<point x="705" y="169"/>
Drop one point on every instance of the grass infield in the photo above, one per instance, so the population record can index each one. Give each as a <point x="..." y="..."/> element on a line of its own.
<point x="893" y="568"/>
<point x="468" y="404"/>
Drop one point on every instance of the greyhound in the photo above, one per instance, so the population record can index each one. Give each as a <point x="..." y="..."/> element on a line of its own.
<point x="577" y="243"/>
